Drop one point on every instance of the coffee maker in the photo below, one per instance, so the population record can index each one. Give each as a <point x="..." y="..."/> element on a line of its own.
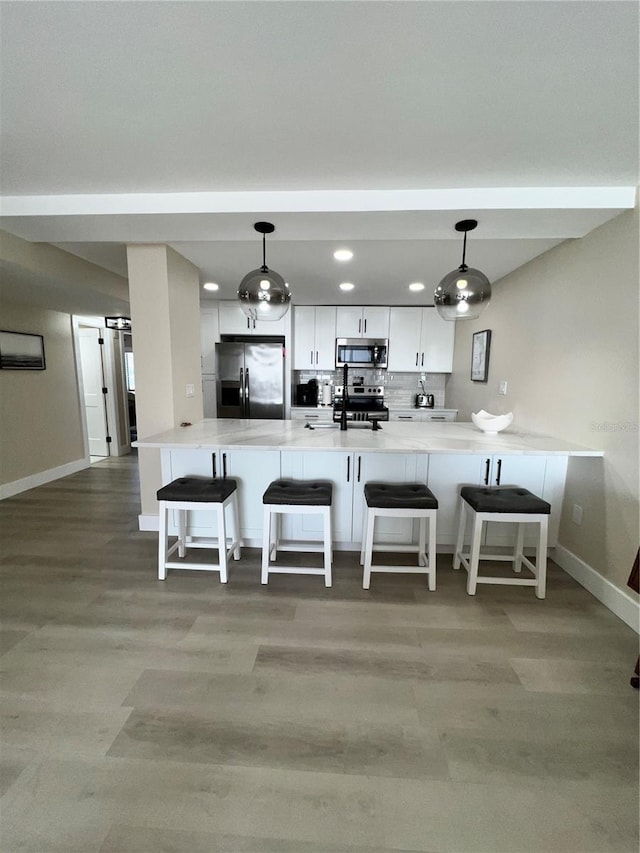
<point x="307" y="393"/>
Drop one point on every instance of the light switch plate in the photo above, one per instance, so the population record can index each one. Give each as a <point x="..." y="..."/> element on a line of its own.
<point x="502" y="388"/>
<point x="191" y="390"/>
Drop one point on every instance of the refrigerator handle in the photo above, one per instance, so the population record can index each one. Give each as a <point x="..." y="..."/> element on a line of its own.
<point x="241" y="389"/>
<point x="246" y="393"/>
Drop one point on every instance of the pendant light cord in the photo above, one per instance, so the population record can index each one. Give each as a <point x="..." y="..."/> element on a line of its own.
<point x="463" y="265"/>
<point x="264" y="267"/>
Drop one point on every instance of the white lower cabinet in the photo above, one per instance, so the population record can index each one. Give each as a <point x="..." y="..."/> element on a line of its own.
<point x="349" y="471"/>
<point x="423" y="415"/>
<point x="542" y="475"/>
<point x="387" y="468"/>
<point x="253" y="469"/>
<point x="322" y="416"/>
<point x="334" y="467"/>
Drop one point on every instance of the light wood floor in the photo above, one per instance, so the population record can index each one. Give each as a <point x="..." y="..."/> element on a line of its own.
<point x="188" y="716"/>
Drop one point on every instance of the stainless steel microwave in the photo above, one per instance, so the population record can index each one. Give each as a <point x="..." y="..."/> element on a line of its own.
<point x="362" y="352"/>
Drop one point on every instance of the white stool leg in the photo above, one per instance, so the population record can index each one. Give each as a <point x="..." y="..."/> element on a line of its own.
<point x="368" y="548"/>
<point x="432" y="552"/>
<point x="234" y="531"/>
<point x="162" y="541"/>
<point x="222" y="543"/>
<point x="517" y="554"/>
<point x="474" y="558"/>
<point x="276" y="518"/>
<point x="327" y="545"/>
<point x="460" y="538"/>
<point x="182" y="532"/>
<point x="364" y="533"/>
<point x="541" y="559"/>
<point x="422" y="541"/>
<point x="266" y="544"/>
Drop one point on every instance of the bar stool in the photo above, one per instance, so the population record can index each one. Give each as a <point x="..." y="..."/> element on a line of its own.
<point x="296" y="496"/>
<point x="191" y="493"/>
<point x="506" y="504"/>
<point x="400" y="500"/>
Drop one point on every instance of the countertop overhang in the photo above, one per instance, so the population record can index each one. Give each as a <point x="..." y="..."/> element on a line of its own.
<point x="393" y="437"/>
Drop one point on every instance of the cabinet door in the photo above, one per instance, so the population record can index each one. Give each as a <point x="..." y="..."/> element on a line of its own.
<point x="348" y="321"/>
<point x="375" y="322"/>
<point x="325" y="337"/>
<point x="254" y="470"/>
<point x="388" y="468"/>
<point x="233" y="320"/>
<point x="405" y="325"/>
<point x="409" y="415"/>
<point x="209" y="337"/>
<point x="525" y="471"/>
<point x="304" y="352"/>
<point x="439" y="416"/>
<point x="437" y="342"/>
<point x="447" y="473"/>
<point x="320" y="465"/>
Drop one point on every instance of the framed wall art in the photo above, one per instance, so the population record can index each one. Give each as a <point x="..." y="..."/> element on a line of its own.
<point x="21" y="351"/>
<point x="480" y="356"/>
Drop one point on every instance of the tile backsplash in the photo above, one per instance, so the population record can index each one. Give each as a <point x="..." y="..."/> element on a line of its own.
<point x="400" y="388"/>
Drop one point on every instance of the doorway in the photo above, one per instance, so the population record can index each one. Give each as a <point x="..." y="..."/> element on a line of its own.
<point x="94" y="391"/>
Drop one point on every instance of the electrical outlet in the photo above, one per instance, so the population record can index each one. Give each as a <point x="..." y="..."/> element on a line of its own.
<point x="191" y="390"/>
<point x="577" y="514"/>
<point x="502" y="388"/>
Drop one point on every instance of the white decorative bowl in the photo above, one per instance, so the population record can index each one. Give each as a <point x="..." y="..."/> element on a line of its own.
<point x="491" y="424"/>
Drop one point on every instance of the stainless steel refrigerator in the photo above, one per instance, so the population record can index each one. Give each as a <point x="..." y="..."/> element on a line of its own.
<point x="250" y="379"/>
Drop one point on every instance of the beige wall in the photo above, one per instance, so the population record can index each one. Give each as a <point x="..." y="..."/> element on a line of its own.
<point x="164" y="293"/>
<point x="565" y="338"/>
<point x="40" y="419"/>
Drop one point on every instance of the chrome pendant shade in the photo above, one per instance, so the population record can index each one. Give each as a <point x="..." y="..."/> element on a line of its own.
<point x="263" y="293"/>
<point x="463" y="294"/>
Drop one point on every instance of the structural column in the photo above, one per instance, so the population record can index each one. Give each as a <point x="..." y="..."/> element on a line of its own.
<point x="164" y="295"/>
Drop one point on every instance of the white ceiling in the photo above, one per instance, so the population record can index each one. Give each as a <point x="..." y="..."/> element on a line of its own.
<point x="373" y="125"/>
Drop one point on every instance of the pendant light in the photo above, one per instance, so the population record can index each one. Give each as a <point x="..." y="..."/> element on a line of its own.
<point x="463" y="294"/>
<point x="263" y="293"/>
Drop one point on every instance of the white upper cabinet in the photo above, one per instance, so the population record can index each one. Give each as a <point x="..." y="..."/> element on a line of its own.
<point x="438" y="338"/>
<point x="370" y="321"/>
<point x="233" y="321"/>
<point x="314" y="337"/>
<point x="420" y="341"/>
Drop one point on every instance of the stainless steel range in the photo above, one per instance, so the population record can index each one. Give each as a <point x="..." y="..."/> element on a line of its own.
<point x="362" y="403"/>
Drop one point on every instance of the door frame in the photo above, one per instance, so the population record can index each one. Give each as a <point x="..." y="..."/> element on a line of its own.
<point x="116" y="404"/>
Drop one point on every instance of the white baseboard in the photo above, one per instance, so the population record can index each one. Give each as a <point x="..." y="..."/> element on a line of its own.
<point x="148" y="522"/>
<point x="17" y="486"/>
<point x="617" y="600"/>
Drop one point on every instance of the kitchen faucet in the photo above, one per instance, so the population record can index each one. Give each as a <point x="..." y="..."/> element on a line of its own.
<point x="343" y="413"/>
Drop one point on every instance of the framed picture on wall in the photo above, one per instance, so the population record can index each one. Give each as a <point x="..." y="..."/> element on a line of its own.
<point x="21" y="351"/>
<point x="480" y="356"/>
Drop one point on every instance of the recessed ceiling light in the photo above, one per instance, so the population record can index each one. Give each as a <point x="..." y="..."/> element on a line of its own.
<point x="211" y="285"/>
<point x="346" y="285"/>
<point x="343" y="254"/>
<point x="416" y="285"/>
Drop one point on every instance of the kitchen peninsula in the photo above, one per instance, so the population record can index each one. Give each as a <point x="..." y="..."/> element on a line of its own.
<point x="443" y="455"/>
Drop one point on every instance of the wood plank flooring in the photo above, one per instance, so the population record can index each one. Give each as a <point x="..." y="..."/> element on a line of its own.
<point x="147" y="717"/>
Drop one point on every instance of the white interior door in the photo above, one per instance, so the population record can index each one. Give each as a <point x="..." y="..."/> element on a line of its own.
<point x="92" y="385"/>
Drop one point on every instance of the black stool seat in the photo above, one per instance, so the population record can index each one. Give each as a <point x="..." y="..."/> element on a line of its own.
<point x="504" y="499"/>
<point x="298" y="493"/>
<point x="399" y="496"/>
<point x="197" y="490"/>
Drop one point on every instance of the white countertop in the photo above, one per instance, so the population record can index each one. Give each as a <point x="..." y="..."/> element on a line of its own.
<point x="393" y="437"/>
